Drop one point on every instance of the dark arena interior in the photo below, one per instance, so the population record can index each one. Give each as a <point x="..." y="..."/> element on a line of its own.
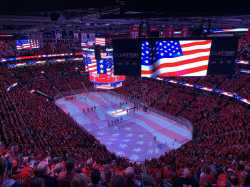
<point x="124" y="93"/>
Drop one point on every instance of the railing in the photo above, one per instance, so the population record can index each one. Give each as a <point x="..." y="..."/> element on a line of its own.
<point x="69" y="93"/>
<point x="74" y="92"/>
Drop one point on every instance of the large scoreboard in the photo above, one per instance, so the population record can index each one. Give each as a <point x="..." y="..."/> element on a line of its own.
<point x="173" y="57"/>
<point x="98" y="61"/>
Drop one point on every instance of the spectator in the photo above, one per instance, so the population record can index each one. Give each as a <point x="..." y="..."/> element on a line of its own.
<point x="65" y="178"/>
<point x="247" y="180"/>
<point x="185" y="179"/>
<point x="117" y="181"/>
<point x="5" y="181"/>
<point x="78" y="181"/>
<point x="41" y="172"/>
<point x="148" y="181"/>
<point x="95" y="178"/>
<point x="130" y="177"/>
<point x="37" y="182"/>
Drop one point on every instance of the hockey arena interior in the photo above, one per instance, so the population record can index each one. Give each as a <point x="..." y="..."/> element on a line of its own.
<point x="113" y="97"/>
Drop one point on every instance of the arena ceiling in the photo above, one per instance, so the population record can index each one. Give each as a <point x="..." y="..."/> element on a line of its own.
<point x="148" y="7"/>
<point x="117" y="15"/>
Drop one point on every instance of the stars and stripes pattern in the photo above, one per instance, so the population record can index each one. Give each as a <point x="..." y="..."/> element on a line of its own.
<point x="86" y="61"/>
<point x="104" y="67"/>
<point x="135" y="138"/>
<point x="168" y="58"/>
<point x="107" y="55"/>
<point x="100" y="41"/>
<point x="92" y="65"/>
<point x="109" y="68"/>
<point x="89" y="59"/>
<point x="27" y="44"/>
<point x="101" y="71"/>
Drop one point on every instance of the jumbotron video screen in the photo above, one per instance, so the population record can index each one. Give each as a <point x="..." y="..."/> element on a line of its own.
<point x="165" y="58"/>
<point x="159" y="58"/>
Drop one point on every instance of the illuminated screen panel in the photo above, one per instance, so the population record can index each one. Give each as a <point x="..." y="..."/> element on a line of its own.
<point x="27" y="44"/>
<point x="98" y="62"/>
<point x="89" y="59"/>
<point x="103" y="77"/>
<point x="127" y="57"/>
<point x="171" y="58"/>
<point x="100" y="41"/>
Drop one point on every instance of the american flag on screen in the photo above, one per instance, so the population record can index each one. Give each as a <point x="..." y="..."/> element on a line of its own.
<point x="175" y="58"/>
<point x="86" y="64"/>
<point x="100" y="41"/>
<point x="104" y="67"/>
<point x="27" y="44"/>
<point x="109" y="67"/>
<point x="90" y="64"/>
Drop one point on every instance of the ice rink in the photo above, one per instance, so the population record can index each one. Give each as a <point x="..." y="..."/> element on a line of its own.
<point x="135" y="134"/>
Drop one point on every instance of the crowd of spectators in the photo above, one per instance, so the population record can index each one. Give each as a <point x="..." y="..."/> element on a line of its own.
<point x="26" y="117"/>
<point x="41" y="146"/>
<point x="220" y="124"/>
<point x="244" y="48"/>
<point x="237" y="83"/>
<point x="8" y="47"/>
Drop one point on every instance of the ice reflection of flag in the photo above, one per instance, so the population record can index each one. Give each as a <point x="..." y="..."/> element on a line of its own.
<point x="175" y="58"/>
